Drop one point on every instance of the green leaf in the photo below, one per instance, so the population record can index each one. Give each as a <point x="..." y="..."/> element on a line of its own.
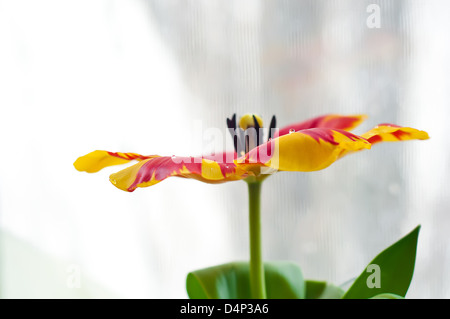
<point x="322" y="290"/>
<point x="390" y="272"/>
<point x="284" y="280"/>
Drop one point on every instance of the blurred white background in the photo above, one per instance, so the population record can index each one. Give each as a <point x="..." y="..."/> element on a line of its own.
<point x="136" y="76"/>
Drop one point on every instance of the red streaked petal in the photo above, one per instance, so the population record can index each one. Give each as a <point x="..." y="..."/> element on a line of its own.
<point x="393" y="133"/>
<point x="152" y="171"/>
<point x="332" y="121"/>
<point x="303" y="151"/>
<point x="97" y="160"/>
<point x="224" y="157"/>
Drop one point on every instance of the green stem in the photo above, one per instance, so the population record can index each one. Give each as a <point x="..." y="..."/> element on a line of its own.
<point x="257" y="280"/>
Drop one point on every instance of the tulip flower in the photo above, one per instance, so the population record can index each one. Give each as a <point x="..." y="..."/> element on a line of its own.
<point x="303" y="147"/>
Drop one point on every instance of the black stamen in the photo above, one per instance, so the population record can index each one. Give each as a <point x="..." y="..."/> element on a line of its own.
<point x="273" y="124"/>
<point x="231" y="123"/>
<point x="247" y="143"/>
<point x="257" y="130"/>
<point x="235" y="134"/>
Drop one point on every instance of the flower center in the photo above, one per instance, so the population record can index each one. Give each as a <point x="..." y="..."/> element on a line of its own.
<point x="249" y="134"/>
<point x="250" y="120"/>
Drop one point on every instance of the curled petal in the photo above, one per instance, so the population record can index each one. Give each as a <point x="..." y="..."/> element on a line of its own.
<point x="332" y="121"/>
<point x="154" y="170"/>
<point x="393" y="133"/>
<point x="304" y="151"/>
<point x="97" y="160"/>
<point x="224" y="157"/>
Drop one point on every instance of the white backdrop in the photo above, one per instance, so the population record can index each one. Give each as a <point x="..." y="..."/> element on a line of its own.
<point x="139" y="76"/>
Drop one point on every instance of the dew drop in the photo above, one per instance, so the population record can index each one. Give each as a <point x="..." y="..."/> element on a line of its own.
<point x="113" y="181"/>
<point x="291" y="131"/>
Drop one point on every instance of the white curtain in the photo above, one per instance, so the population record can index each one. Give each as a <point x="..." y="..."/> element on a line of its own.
<point x="149" y="76"/>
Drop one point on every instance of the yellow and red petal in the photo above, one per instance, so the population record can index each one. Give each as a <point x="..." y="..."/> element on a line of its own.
<point x="97" y="160"/>
<point x="393" y="133"/>
<point x="304" y="151"/>
<point x="223" y="157"/>
<point x="332" y="121"/>
<point x="154" y="170"/>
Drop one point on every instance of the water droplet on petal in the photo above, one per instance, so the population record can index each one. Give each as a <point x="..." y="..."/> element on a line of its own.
<point x="113" y="181"/>
<point x="291" y="131"/>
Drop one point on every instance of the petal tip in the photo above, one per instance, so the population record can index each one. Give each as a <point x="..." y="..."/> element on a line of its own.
<point x="119" y="185"/>
<point x="424" y="135"/>
<point x="83" y="164"/>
